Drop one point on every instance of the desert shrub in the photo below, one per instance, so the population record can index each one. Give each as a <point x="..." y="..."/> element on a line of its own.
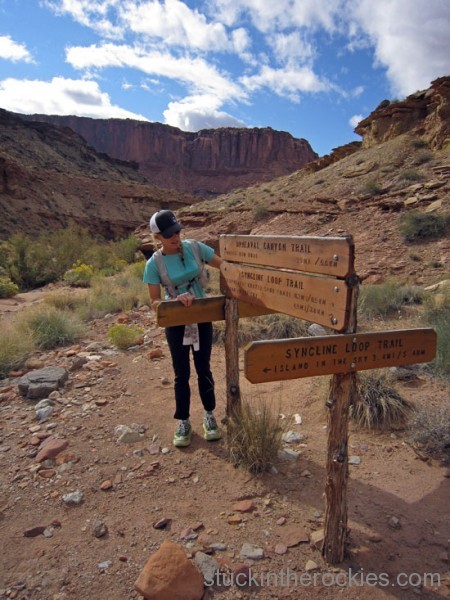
<point x="380" y="300"/>
<point x="417" y="226"/>
<point x="260" y="212"/>
<point x="378" y="405"/>
<point x="423" y="157"/>
<point x="268" y="327"/>
<point x="410" y="175"/>
<point x="418" y="143"/>
<point x="127" y="248"/>
<point x="7" y="287"/>
<point x="137" y="269"/>
<point x="372" y="188"/>
<point x="429" y="431"/>
<point x="106" y="296"/>
<point x="49" y="326"/>
<point x="15" y="346"/>
<point x="437" y="315"/>
<point x="80" y="275"/>
<point x="255" y="435"/>
<point x="66" y="299"/>
<point x="125" y="336"/>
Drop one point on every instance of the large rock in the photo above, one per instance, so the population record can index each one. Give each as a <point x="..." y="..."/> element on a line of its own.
<point x="42" y="382"/>
<point x="169" y="575"/>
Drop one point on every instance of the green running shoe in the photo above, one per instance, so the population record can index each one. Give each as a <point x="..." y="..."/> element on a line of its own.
<point x="182" y="435"/>
<point x="210" y="428"/>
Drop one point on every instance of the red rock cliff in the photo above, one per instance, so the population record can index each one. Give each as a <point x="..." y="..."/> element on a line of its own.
<point x="209" y="162"/>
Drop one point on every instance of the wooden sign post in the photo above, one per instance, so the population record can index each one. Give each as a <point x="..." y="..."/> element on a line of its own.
<point x="310" y="278"/>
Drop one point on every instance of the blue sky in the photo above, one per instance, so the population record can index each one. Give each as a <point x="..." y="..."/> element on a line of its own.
<point x="313" y="68"/>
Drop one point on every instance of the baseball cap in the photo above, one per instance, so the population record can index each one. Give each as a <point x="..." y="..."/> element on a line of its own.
<point x="165" y="223"/>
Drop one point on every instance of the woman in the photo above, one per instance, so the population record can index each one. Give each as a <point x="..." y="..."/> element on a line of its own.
<point x="183" y="271"/>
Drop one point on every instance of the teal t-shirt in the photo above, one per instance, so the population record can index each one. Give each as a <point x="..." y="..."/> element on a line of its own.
<point x="179" y="273"/>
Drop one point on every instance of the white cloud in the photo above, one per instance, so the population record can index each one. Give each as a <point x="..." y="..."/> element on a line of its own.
<point x="411" y="39"/>
<point x="287" y="82"/>
<point x="11" y="50"/>
<point x="353" y="121"/>
<point x="282" y="15"/>
<point x="200" y="76"/>
<point x="199" y="112"/>
<point x="95" y="14"/>
<point x="174" y="23"/>
<point x="60" y="96"/>
<point x="290" y="47"/>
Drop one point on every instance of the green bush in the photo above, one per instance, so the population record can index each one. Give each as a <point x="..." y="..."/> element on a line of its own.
<point x="416" y="226"/>
<point x="34" y="261"/>
<point x="125" y="336"/>
<point x="7" y="287"/>
<point x="50" y="327"/>
<point x="15" y="347"/>
<point x="378" y="405"/>
<point x="80" y="275"/>
<point x="127" y="248"/>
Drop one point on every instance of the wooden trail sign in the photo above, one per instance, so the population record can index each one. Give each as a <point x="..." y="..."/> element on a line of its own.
<point x="326" y="355"/>
<point x="326" y="256"/>
<point x="202" y="310"/>
<point x="318" y="299"/>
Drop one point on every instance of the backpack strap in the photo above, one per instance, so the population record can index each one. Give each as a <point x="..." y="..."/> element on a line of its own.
<point x="203" y="276"/>
<point x="172" y="290"/>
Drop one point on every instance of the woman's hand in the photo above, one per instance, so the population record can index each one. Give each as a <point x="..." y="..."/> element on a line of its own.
<point x="186" y="299"/>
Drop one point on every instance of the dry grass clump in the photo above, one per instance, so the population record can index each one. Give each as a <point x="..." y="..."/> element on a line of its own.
<point x="255" y="435"/>
<point x="49" y="326"/>
<point x="378" y="405"/>
<point x="15" y="347"/>
<point x="429" y="432"/>
<point x="275" y="326"/>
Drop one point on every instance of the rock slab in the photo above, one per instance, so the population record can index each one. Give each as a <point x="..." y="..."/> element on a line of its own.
<point x="42" y="382"/>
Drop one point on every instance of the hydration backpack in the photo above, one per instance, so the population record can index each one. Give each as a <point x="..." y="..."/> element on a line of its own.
<point x="171" y="289"/>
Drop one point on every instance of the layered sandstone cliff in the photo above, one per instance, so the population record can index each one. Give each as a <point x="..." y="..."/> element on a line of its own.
<point x="207" y="163"/>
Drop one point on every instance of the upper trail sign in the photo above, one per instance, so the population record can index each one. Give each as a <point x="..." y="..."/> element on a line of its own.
<point x="309" y="278"/>
<point x="325" y="256"/>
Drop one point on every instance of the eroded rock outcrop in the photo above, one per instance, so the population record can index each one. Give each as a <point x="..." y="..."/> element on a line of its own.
<point x="425" y="113"/>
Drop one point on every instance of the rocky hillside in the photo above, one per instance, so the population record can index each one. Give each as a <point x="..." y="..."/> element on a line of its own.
<point x="208" y="163"/>
<point x="50" y="177"/>
<point x="363" y="189"/>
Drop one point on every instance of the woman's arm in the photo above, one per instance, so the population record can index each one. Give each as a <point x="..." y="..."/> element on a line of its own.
<point x="154" y="291"/>
<point x="215" y="262"/>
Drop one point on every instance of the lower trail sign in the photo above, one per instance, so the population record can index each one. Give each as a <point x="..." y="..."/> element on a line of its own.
<point x="307" y="357"/>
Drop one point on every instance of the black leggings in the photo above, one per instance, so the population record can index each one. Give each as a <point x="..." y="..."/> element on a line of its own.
<point x="182" y="368"/>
